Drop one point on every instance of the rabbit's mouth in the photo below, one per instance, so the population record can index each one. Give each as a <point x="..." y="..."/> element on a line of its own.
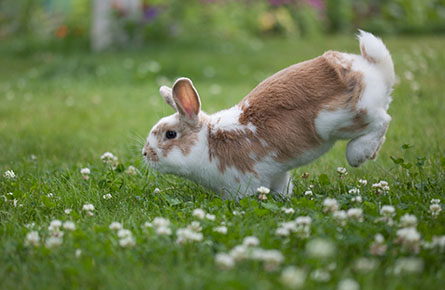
<point x="150" y="154"/>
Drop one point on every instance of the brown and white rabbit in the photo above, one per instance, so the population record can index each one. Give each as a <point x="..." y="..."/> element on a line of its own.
<point x="288" y="120"/>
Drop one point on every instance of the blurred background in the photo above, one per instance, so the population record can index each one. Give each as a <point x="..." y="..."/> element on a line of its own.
<point x="81" y="77"/>
<point x="103" y="24"/>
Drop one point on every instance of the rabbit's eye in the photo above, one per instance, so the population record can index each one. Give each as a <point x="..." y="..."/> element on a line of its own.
<point x="170" y="134"/>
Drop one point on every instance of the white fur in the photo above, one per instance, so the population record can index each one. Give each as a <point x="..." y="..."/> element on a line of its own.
<point x="227" y="120"/>
<point x="378" y="78"/>
<point x="376" y="49"/>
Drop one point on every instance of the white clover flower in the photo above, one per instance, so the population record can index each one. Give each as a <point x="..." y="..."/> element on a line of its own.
<point x="272" y="259"/>
<point x="365" y="265"/>
<point x="388" y="211"/>
<point x="199" y="213"/>
<point x="287" y="210"/>
<point x="330" y="205"/>
<point x="284" y="232"/>
<point x="301" y="226"/>
<point x="290" y="226"/>
<point x="320" y="248"/>
<point x="251" y="241"/>
<point x="127" y="242"/>
<point x="107" y="196"/>
<point x="50" y="195"/>
<point x="410" y="239"/>
<point x="131" y="170"/>
<point x="88" y="207"/>
<point x="78" y="253"/>
<point x="435" y="209"/>
<point x="378" y="247"/>
<point x="293" y="277"/>
<point x="55" y="225"/>
<point x="435" y="200"/>
<point x="357" y="199"/>
<point x="85" y="172"/>
<point x="363" y="182"/>
<point x="263" y="191"/>
<point x="438" y="242"/>
<point x="115" y="226"/>
<point x="340" y="217"/>
<point x="239" y="253"/>
<point x="30" y="225"/>
<point x="147" y="225"/>
<point x="408" y="265"/>
<point x="163" y="231"/>
<point x="195" y="226"/>
<point x="32" y="239"/>
<point x="69" y="225"/>
<point x="381" y="187"/>
<point x="308" y="193"/>
<point x="224" y="261"/>
<point x="356" y="213"/>
<point x="348" y="284"/>
<point x="408" y="75"/>
<point x="188" y="235"/>
<point x="156" y="190"/>
<point x="238" y="213"/>
<point x="342" y="171"/>
<point x="303" y="220"/>
<point x="123" y="233"/>
<point x="67" y="211"/>
<point x="108" y="158"/>
<point x="160" y="222"/>
<point x="9" y="174"/>
<point x="320" y="275"/>
<point x="53" y="242"/>
<point x="408" y="221"/>
<point x="354" y="191"/>
<point x="210" y="217"/>
<point x="220" y="229"/>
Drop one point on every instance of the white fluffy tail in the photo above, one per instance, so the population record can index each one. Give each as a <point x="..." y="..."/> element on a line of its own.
<point x="375" y="52"/>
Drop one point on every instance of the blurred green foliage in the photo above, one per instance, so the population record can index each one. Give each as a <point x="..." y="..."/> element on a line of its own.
<point x="68" y="22"/>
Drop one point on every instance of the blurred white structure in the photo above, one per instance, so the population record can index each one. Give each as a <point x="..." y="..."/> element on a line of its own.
<point x="104" y="30"/>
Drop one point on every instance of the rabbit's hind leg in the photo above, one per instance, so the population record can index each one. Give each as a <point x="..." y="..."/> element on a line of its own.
<point x="367" y="146"/>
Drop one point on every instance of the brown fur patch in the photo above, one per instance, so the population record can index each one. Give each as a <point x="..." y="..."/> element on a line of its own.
<point x="187" y="137"/>
<point x="235" y="148"/>
<point x="283" y="108"/>
<point x="358" y="122"/>
<point x="151" y="153"/>
<point x="352" y="79"/>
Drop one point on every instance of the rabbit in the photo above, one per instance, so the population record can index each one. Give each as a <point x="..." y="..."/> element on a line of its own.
<point x="288" y="120"/>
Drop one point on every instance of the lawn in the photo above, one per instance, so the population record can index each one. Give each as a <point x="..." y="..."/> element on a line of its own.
<point x="60" y="111"/>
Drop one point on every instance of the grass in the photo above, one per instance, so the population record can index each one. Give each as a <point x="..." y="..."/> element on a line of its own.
<point x="60" y="111"/>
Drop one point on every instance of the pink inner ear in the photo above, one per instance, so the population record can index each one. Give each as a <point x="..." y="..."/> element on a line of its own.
<point x="187" y="100"/>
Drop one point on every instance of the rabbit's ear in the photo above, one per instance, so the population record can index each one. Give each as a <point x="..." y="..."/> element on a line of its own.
<point x="166" y="94"/>
<point x="187" y="100"/>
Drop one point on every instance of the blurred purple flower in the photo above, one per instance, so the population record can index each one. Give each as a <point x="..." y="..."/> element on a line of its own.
<point x="317" y="4"/>
<point x="150" y="13"/>
<point x="279" y="2"/>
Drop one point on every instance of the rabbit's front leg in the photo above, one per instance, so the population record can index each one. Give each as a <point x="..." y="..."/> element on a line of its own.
<point x="282" y="183"/>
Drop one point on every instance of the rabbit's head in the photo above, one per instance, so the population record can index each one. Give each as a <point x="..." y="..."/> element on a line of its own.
<point x="174" y="141"/>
